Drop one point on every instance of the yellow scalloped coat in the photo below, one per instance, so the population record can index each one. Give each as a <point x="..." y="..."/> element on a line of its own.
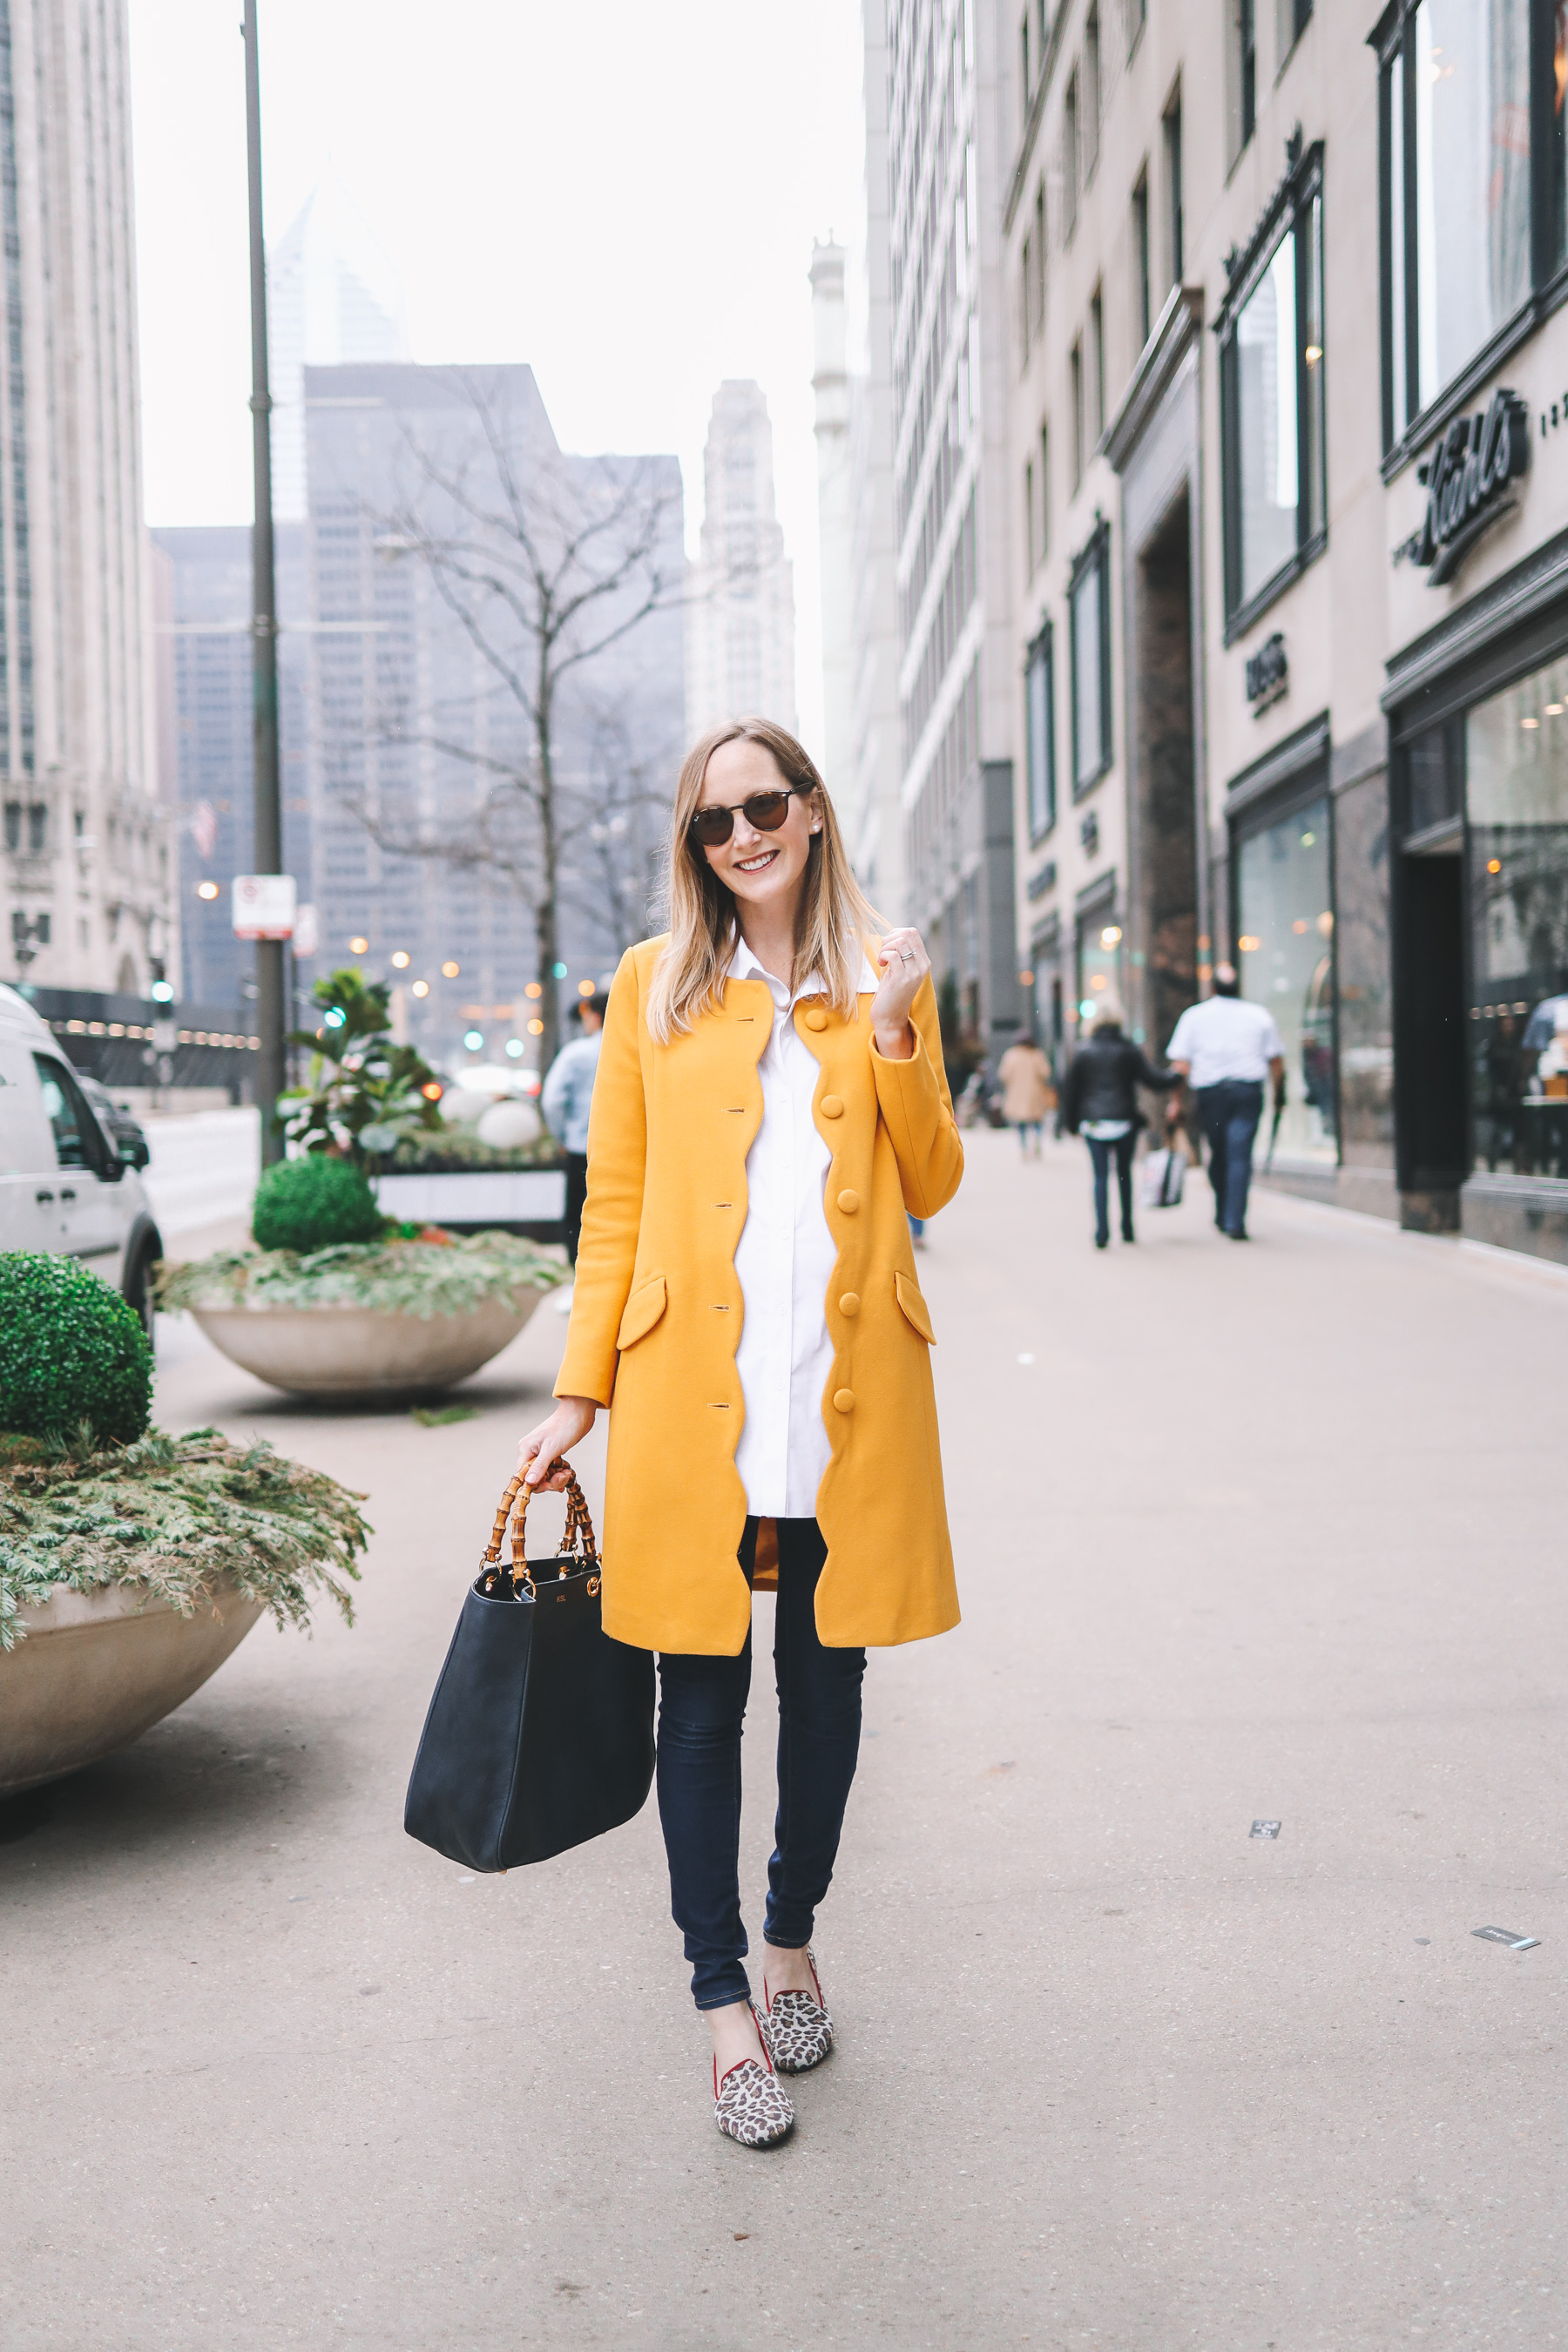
<point x="656" y="1317"/>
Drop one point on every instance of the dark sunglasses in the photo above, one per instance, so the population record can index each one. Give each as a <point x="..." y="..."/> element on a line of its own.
<point x="766" y="811"/>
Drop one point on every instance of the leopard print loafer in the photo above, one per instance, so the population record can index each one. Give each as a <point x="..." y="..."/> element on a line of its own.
<point x="750" y="2105"/>
<point x="797" y="2031"/>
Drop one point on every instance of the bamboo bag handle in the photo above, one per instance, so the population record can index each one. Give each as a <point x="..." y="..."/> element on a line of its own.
<point x="578" y="1539"/>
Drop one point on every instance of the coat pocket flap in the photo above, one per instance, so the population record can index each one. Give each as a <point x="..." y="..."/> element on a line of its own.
<point x="916" y="1311"/>
<point x="643" y="1307"/>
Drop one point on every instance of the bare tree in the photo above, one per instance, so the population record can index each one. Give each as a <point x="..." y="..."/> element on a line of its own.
<point x="545" y="564"/>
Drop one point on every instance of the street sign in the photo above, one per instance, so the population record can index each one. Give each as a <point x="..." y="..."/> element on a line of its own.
<point x="263" y="906"/>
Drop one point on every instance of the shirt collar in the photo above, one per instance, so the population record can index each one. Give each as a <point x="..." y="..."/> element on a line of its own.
<point x="744" y="965"/>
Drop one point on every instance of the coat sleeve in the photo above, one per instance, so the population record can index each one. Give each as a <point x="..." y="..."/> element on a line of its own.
<point x="1071" y="1095"/>
<point x="612" y="1217"/>
<point x="1158" y="1080"/>
<point x="917" y="1111"/>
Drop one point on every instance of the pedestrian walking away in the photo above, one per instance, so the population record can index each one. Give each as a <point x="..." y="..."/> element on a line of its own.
<point x="1027" y="1095"/>
<point x="1099" y="1102"/>
<point x="771" y="1107"/>
<point x="565" y="1100"/>
<point x="1224" y="1048"/>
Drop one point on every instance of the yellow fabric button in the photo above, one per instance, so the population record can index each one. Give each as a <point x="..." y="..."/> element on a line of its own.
<point x="844" y="1399"/>
<point x="849" y="1202"/>
<point x="814" y="1020"/>
<point x="850" y="1303"/>
<point x="832" y="1106"/>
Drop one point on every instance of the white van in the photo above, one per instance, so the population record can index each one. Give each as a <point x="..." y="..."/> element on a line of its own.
<point x="63" y="1183"/>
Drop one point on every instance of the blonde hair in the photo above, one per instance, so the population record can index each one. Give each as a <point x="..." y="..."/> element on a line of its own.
<point x="834" y="922"/>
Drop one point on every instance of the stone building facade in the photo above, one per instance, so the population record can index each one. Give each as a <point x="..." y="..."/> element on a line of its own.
<point x="86" y="863"/>
<point x="1290" y="565"/>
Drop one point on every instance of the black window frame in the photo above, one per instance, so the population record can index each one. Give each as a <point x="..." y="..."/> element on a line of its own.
<point x="1040" y="653"/>
<point x="1095" y="551"/>
<point x="1394" y="33"/>
<point x="1290" y="209"/>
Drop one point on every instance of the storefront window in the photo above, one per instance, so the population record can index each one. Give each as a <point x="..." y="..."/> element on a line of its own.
<point x="1285" y="938"/>
<point x="1516" y="762"/>
<point x="1461" y="186"/>
<point x="1272" y="359"/>
<point x="1098" y="967"/>
<point x="1041" y="729"/>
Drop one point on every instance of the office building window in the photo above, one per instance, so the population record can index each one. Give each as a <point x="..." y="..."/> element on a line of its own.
<point x="1271" y="361"/>
<point x="1175" y="254"/>
<point x="1031" y="552"/>
<point x="1090" y="91"/>
<point x="1096" y="361"/>
<point x="1137" y="15"/>
<point x="1088" y="612"/>
<point x="1140" y="314"/>
<point x="1075" y="393"/>
<point x="1473" y="186"/>
<point x="1040" y="256"/>
<point x="1039" y="706"/>
<point x="1071" y="151"/>
<point x="1044" y="492"/>
<point x="1241" y="73"/>
<point x="1025" y="301"/>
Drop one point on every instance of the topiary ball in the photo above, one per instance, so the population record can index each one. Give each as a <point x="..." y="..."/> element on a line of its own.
<point x="71" y="1349"/>
<point x="313" y="1204"/>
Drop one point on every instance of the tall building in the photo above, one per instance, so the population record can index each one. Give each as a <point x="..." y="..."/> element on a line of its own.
<point x="86" y="872"/>
<point x="741" y="624"/>
<point x="935" y="246"/>
<point x="208" y="702"/>
<point x="859" y="589"/>
<point x="1290" y="655"/>
<point x="426" y="843"/>
<point x="333" y="297"/>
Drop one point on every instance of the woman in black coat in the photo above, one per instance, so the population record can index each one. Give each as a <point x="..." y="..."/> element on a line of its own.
<point x="1099" y="1102"/>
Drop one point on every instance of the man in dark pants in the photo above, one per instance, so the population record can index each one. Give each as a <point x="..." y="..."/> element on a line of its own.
<point x="1224" y="1048"/>
<point x="568" y="1091"/>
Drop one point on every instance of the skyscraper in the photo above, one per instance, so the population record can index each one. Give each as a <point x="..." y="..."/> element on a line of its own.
<point x="740" y="620"/>
<point x="934" y="170"/>
<point x="333" y="297"/>
<point x="85" y="879"/>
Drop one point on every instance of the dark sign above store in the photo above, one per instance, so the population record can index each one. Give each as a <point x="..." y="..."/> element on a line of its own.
<point x="1268" y="673"/>
<point x="1467" y="479"/>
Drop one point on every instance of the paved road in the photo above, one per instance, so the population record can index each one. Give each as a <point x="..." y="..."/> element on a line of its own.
<point x="203" y="1168"/>
<point x="1272" y="1532"/>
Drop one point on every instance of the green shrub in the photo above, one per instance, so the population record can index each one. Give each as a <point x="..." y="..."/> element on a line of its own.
<point x="313" y="1204"/>
<point x="71" y="1351"/>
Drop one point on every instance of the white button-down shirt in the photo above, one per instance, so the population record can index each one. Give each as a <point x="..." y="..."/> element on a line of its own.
<point x="785" y="1261"/>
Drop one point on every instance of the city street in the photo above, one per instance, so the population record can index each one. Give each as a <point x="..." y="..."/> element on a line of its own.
<point x="203" y="1169"/>
<point x="1243" y="1535"/>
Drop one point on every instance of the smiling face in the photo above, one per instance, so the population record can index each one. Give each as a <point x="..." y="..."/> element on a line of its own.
<point x="761" y="868"/>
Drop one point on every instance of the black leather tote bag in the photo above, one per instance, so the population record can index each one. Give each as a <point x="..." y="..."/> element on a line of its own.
<point x="540" y="1734"/>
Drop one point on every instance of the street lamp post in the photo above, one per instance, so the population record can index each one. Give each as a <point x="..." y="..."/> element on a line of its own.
<point x="270" y="1078"/>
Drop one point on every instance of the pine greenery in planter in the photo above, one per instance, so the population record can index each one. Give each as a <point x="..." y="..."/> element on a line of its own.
<point x="72" y="1351"/>
<point x="180" y="1516"/>
<point x="437" y="1273"/>
<point x="312" y="1205"/>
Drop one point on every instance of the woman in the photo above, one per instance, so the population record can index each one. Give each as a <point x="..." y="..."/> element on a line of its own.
<point x="1026" y="1091"/>
<point x="1099" y="1101"/>
<point x="768" y="1111"/>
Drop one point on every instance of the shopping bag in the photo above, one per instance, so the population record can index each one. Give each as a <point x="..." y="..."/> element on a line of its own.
<point x="1164" y="1174"/>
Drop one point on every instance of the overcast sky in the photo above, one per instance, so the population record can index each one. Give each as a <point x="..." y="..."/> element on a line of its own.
<point x="623" y="196"/>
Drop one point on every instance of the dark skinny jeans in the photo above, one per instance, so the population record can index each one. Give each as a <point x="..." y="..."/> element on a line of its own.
<point x="1102" y="1151"/>
<point x="1228" y="1115"/>
<point x="702" y="1705"/>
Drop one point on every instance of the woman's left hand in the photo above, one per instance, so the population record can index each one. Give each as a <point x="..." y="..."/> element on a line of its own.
<point x="905" y="964"/>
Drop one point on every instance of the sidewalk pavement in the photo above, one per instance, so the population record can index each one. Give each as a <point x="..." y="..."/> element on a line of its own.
<point x="1271" y="1533"/>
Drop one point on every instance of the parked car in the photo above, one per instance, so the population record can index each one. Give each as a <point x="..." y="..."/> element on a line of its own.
<point x="117" y="1122"/>
<point x="65" y="1185"/>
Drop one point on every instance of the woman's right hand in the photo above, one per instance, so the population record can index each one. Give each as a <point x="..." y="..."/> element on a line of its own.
<point x="548" y="1445"/>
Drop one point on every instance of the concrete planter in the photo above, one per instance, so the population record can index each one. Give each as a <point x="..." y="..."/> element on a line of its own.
<point x="98" y="1669"/>
<point x="342" y="1352"/>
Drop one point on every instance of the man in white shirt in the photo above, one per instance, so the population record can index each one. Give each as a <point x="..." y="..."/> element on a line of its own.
<point x="1224" y="1048"/>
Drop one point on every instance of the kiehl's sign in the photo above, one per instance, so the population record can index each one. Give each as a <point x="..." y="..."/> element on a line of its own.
<point x="1466" y="478"/>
